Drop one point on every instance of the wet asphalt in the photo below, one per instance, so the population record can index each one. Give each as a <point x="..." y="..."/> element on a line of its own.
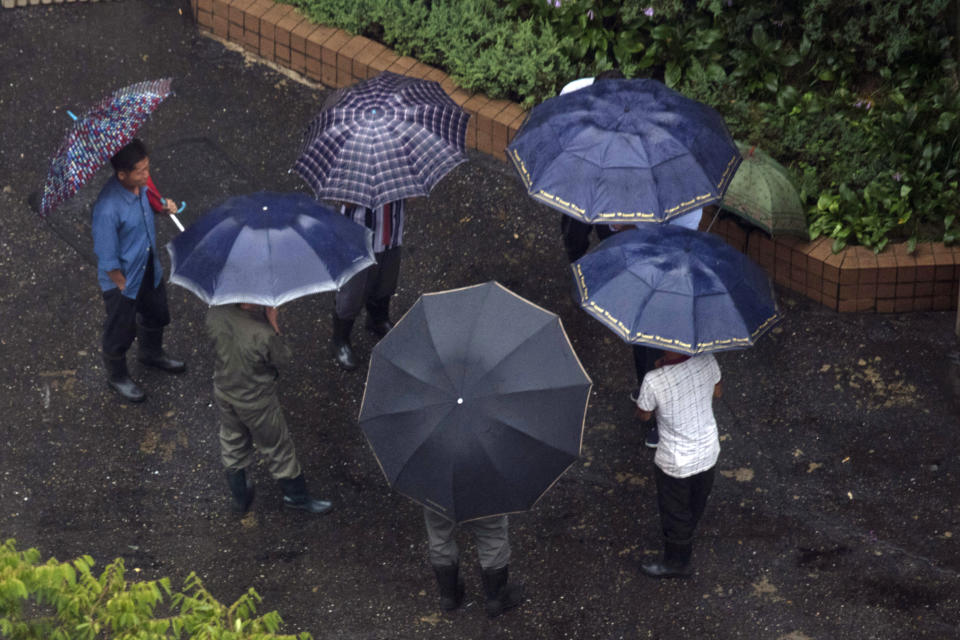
<point x="834" y="515"/>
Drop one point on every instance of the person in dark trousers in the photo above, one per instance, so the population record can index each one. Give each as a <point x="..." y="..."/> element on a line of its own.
<point x="249" y="350"/>
<point x="680" y="390"/>
<point x="129" y="271"/>
<point x="493" y="549"/>
<point x="373" y="287"/>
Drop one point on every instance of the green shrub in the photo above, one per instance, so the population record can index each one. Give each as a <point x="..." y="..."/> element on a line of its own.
<point x="858" y="99"/>
<point x="66" y="601"/>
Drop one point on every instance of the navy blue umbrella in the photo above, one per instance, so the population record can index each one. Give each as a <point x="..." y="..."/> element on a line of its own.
<point x="268" y="248"/>
<point x="385" y="139"/>
<point x="624" y="151"/>
<point x="672" y="288"/>
<point x="475" y="402"/>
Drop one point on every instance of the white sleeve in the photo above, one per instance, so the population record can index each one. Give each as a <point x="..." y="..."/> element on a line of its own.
<point x="647" y="400"/>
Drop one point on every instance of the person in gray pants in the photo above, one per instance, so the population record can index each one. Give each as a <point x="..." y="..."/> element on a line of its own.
<point x="493" y="549"/>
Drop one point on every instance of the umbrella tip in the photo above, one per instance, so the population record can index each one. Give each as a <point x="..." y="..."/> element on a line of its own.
<point x="459" y="400"/>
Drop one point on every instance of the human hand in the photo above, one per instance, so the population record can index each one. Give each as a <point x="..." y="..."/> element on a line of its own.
<point x="271" y="313"/>
<point x="117" y="277"/>
<point x="169" y="206"/>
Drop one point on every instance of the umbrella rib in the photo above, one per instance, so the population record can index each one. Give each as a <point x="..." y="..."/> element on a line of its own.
<point x="523" y="433"/>
<point x="545" y="327"/>
<point x="409" y="373"/>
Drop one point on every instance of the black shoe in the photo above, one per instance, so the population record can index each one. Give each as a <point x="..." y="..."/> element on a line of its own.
<point x="664" y="570"/>
<point x="119" y="378"/>
<point x="241" y="488"/>
<point x="501" y="594"/>
<point x="162" y="362"/>
<point x="379" y="327"/>
<point x="451" y="587"/>
<point x="151" y="351"/>
<point x="128" y="390"/>
<point x="295" y="496"/>
<point x="340" y="343"/>
<point x="652" y="438"/>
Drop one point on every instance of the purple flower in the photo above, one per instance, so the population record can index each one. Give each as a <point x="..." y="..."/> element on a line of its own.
<point x="729" y="3"/>
<point x="897" y="177"/>
<point x="864" y="104"/>
<point x="648" y="12"/>
<point x="590" y="14"/>
<point x="554" y="3"/>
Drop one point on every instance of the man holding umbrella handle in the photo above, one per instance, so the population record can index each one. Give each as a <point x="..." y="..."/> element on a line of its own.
<point x="249" y="353"/>
<point x="129" y="271"/>
<point x="680" y="391"/>
<point x="373" y="287"/>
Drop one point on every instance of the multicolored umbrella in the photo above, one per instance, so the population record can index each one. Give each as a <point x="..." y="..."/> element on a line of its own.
<point x="97" y="135"/>
<point x="624" y="151"/>
<point x="268" y="248"/>
<point x="762" y="193"/>
<point x="385" y="139"/>
<point x="672" y="288"/>
<point x="475" y="402"/>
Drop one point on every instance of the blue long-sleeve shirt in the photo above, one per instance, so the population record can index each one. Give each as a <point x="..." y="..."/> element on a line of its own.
<point x="123" y="235"/>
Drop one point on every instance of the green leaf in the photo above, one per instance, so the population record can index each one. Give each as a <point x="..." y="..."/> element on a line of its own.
<point x="838" y="245"/>
<point x="672" y="73"/>
<point x="912" y="244"/>
<point x="759" y="37"/>
<point x="716" y="73"/>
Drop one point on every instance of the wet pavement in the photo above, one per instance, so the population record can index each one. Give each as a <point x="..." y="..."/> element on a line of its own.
<point x="834" y="515"/>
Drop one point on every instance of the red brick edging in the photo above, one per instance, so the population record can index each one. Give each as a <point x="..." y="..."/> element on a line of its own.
<point x="855" y="279"/>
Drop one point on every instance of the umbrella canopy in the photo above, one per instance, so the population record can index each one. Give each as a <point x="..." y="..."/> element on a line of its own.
<point x="475" y="402"/>
<point x="676" y="289"/>
<point x="762" y="193"/>
<point x="97" y="135"/>
<point x="624" y="151"/>
<point x="385" y="139"/>
<point x="268" y="248"/>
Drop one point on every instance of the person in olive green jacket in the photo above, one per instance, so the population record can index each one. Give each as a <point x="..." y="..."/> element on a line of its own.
<point x="248" y="351"/>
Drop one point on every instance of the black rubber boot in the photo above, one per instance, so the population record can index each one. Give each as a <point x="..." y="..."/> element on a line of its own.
<point x="241" y="488"/>
<point x="378" y="317"/>
<point x="675" y="563"/>
<point x="340" y="344"/>
<point x="501" y="594"/>
<point x="295" y="496"/>
<point x="119" y="378"/>
<point x="451" y="586"/>
<point x="150" y="351"/>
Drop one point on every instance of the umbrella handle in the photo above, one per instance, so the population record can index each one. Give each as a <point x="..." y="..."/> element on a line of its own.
<point x="183" y="205"/>
<point x="176" y="221"/>
<point x="70" y="113"/>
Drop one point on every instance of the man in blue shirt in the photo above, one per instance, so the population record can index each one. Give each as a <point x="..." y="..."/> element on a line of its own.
<point x="129" y="271"/>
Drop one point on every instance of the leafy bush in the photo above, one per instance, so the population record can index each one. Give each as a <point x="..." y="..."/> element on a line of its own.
<point x="859" y="99"/>
<point x="475" y="41"/>
<point x="66" y="601"/>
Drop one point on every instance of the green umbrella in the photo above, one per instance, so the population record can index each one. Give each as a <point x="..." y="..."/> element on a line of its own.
<point x="763" y="193"/>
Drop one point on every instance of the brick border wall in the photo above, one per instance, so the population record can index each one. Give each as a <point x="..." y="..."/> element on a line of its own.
<point x="855" y="279"/>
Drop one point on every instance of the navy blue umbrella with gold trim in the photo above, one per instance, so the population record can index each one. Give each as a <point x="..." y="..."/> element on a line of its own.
<point x="672" y="288"/>
<point x="624" y="151"/>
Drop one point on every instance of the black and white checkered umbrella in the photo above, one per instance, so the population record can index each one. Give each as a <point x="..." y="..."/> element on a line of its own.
<point x="384" y="139"/>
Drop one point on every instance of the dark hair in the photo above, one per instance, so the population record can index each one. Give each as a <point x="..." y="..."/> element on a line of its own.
<point x="609" y="74"/>
<point x="128" y="157"/>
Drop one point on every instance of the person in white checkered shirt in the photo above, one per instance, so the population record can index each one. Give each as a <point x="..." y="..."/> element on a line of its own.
<point x="680" y="391"/>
